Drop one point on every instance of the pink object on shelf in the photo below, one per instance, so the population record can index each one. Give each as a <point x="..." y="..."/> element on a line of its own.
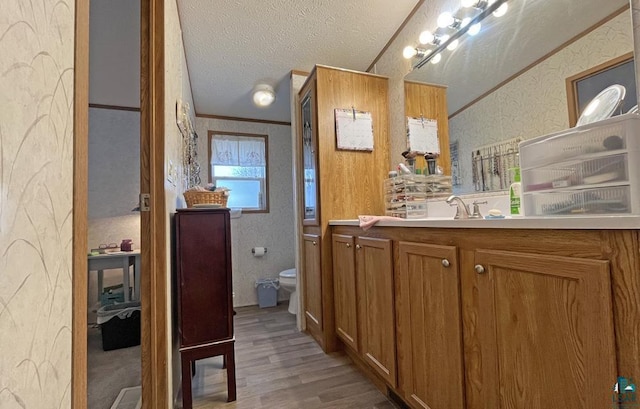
<point x="366" y="222"/>
<point x="126" y="245"/>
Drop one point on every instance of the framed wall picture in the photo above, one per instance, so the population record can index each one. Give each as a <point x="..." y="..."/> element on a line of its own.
<point x="584" y="86"/>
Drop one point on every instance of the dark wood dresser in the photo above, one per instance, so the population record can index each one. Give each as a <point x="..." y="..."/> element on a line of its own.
<point x="205" y="306"/>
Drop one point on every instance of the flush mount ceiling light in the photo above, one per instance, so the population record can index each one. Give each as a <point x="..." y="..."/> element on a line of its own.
<point x="263" y="95"/>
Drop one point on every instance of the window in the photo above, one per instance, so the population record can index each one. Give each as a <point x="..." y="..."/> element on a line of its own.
<point x="240" y="162"/>
<point x="583" y="87"/>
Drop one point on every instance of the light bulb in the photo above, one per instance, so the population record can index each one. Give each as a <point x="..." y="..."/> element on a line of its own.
<point x="426" y="37"/>
<point x="469" y="3"/>
<point x="502" y="10"/>
<point x="443" y="38"/>
<point x="445" y="19"/>
<point x="263" y="95"/>
<point x="474" y="29"/>
<point x="409" y="52"/>
<point x="465" y="22"/>
<point x="436" y="59"/>
<point x="453" y="45"/>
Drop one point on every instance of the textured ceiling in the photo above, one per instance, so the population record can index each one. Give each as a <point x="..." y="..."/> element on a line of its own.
<point x="233" y="45"/>
<point x="529" y="30"/>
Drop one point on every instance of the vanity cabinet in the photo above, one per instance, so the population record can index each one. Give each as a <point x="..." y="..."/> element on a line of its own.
<point x="541" y="335"/>
<point x="335" y="183"/>
<point x="374" y="267"/>
<point x="344" y="290"/>
<point x="503" y="318"/>
<point x="429" y="326"/>
<point x="364" y="301"/>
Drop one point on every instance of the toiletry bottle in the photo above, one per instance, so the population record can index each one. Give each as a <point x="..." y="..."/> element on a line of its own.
<point x="515" y="193"/>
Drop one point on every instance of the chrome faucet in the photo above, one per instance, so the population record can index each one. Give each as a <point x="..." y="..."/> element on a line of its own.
<point x="462" y="210"/>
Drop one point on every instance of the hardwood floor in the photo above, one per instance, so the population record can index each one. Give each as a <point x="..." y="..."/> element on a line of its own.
<point x="279" y="367"/>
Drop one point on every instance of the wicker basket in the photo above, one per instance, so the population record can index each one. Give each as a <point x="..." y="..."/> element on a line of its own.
<point x="194" y="197"/>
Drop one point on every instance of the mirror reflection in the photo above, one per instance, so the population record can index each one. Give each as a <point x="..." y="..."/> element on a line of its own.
<point x="513" y="80"/>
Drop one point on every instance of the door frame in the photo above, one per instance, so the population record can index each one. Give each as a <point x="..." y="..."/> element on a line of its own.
<point x="153" y="283"/>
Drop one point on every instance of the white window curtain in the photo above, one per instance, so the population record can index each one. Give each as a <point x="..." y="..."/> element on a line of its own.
<point x="233" y="150"/>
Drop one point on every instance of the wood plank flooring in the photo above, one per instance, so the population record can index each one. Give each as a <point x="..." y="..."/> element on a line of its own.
<point x="278" y="367"/>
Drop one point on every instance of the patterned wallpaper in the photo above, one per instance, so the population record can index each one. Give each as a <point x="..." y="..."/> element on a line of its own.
<point x="36" y="169"/>
<point x="177" y="86"/>
<point x="273" y="230"/>
<point x="535" y="103"/>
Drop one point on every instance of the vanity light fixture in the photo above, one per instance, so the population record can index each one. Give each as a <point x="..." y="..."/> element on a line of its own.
<point x="502" y="10"/>
<point x="410" y="52"/>
<point x="426" y="37"/>
<point x="447" y="20"/>
<point x="263" y="95"/>
<point x="478" y="4"/>
<point x="474" y="29"/>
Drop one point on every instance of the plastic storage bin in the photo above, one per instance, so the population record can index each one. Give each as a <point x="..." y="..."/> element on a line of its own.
<point x="267" y="292"/>
<point x="120" y="325"/>
<point x="112" y="295"/>
<point x="406" y="195"/>
<point x="593" y="169"/>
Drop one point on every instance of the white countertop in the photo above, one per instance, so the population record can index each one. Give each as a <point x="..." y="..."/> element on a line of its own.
<point x="568" y="223"/>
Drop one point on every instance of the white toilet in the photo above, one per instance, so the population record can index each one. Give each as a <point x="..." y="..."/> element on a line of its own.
<point x="288" y="280"/>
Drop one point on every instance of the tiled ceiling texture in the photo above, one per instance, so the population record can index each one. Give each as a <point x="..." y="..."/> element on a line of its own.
<point x="506" y="45"/>
<point x="233" y="45"/>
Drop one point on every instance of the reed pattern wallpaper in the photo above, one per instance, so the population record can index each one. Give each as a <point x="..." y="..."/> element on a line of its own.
<point x="36" y="185"/>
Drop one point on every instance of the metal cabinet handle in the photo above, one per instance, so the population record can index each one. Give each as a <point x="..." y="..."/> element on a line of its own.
<point x="479" y="268"/>
<point x="348" y="245"/>
<point x="445" y="262"/>
<point x="314" y="242"/>
<point x="358" y="247"/>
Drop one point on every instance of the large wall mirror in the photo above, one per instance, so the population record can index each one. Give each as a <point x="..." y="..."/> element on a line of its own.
<point x="508" y="82"/>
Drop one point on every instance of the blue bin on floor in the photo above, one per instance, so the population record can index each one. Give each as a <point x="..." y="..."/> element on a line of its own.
<point x="267" y="292"/>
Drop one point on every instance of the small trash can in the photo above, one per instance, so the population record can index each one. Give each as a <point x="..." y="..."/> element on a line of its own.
<point x="267" y="292"/>
<point x="120" y="325"/>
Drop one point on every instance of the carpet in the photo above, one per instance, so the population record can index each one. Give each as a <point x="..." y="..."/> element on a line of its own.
<point x="128" y="398"/>
<point x="109" y="372"/>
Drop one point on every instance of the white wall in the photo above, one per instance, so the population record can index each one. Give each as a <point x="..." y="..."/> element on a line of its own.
<point x="177" y="86"/>
<point x="273" y="230"/>
<point x="114" y="59"/>
<point x="114" y="162"/>
<point x="36" y="190"/>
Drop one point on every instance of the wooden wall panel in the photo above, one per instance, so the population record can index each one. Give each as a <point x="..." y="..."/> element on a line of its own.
<point x="80" y="211"/>
<point x="430" y="101"/>
<point x="351" y="181"/>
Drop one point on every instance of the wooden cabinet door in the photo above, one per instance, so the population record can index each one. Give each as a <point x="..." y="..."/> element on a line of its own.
<point x="312" y="280"/>
<point x="544" y="332"/>
<point x="204" y="276"/>
<point x="376" y="306"/>
<point x="344" y="289"/>
<point x="431" y="374"/>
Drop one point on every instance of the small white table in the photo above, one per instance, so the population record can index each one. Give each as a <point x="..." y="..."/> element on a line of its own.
<point x="120" y="259"/>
